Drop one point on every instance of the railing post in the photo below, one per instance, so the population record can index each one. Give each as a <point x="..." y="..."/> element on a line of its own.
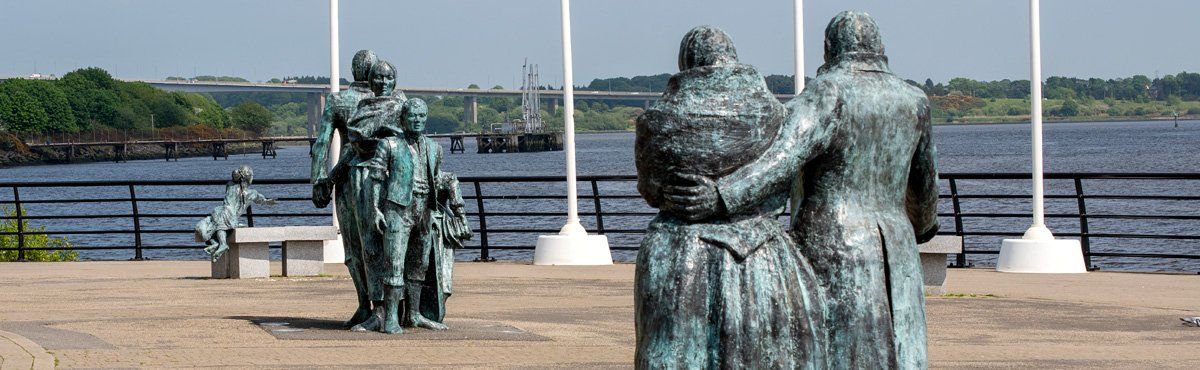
<point x="20" y="225"/>
<point x="249" y="216"/>
<point x="137" y="225"/>
<point x="1083" y="225"/>
<point x="961" y="260"/>
<point x="599" y="212"/>
<point x="483" y="231"/>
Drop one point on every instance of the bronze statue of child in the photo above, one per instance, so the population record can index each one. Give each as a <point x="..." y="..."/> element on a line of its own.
<point x="214" y="229"/>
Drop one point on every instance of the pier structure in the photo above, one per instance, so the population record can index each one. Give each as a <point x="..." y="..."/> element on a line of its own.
<point x="516" y="143"/>
<point x="218" y="148"/>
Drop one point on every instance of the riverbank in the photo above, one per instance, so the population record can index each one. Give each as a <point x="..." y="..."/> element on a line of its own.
<point x="22" y="155"/>
<point x="511" y="315"/>
<point x="1025" y="119"/>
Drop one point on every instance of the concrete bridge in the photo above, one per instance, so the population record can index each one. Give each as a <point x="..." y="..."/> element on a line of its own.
<point x="316" y="94"/>
<point x="218" y="147"/>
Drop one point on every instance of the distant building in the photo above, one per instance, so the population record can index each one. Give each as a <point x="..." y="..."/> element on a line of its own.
<point x="39" y="76"/>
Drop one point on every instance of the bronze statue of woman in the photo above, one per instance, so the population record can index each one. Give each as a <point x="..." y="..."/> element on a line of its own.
<point x="726" y="291"/>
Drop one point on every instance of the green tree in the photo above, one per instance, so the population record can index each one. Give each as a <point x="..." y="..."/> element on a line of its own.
<point x="441" y="121"/>
<point x="251" y="116"/>
<point x="1070" y="108"/>
<point x="52" y="100"/>
<point x="23" y="114"/>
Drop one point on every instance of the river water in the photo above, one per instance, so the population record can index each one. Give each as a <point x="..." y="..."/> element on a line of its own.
<point x="1154" y="146"/>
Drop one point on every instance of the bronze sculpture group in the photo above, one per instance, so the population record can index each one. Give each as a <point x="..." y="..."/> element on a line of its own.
<point x="400" y="215"/>
<point x="719" y="282"/>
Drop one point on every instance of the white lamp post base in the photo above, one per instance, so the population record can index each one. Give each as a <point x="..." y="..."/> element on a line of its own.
<point x="1041" y="256"/>
<point x="334" y="253"/>
<point x="574" y="249"/>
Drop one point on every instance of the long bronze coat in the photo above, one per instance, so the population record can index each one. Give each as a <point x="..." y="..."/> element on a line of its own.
<point x="725" y="292"/>
<point x="857" y="149"/>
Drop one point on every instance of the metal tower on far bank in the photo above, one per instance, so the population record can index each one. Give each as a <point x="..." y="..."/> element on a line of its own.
<point x="531" y="102"/>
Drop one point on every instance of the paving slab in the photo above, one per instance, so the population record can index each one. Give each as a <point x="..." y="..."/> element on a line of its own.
<point x="155" y="314"/>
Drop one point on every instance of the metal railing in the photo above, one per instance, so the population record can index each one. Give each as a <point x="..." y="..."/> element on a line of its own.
<point x="508" y="212"/>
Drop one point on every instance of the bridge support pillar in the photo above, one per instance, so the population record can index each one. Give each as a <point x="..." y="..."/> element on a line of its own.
<point x="219" y="150"/>
<point x="316" y="106"/>
<point x="120" y="153"/>
<point x="171" y="151"/>
<point x="471" y="109"/>
<point x="268" y="149"/>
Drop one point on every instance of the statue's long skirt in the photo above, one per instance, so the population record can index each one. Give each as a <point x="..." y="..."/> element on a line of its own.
<point x="726" y="295"/>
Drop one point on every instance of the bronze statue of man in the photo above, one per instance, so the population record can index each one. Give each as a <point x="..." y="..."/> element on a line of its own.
<point x="408" y="202"/>
<point x="858" y="155"/>
<point x="339" y="108"/>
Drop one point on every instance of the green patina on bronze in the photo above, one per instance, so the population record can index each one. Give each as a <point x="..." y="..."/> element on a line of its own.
<point x="214" y="229"/>
<point x="855" y="153"/>
<point x="726" y="291"/>
<point x="401" y="217"/>
<point x="339" y="109"/>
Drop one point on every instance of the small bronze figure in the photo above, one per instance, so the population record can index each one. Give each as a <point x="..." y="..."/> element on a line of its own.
<point x="215" y="228"/>
<point x="449" y="230"/>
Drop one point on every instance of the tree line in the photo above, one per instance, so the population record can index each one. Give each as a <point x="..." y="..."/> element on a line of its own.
<point x="1183" y="85"/>
<point x="90" y="99"/>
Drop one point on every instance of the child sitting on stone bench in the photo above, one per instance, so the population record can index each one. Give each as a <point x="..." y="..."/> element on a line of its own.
<point x="238" y="196"/>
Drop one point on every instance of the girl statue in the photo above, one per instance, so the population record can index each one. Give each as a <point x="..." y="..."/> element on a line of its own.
<point x="729" y="290"/>
<point x="214" y="229"/>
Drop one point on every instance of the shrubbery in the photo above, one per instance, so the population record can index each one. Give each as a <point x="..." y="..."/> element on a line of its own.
<point x="9" y="243"/>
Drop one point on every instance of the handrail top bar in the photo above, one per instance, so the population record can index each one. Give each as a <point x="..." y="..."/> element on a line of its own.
<point x="492" y="179"/>
<point x="292" y="181"/>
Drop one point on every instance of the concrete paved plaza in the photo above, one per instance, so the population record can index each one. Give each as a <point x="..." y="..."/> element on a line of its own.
<point x="506" y="315"/>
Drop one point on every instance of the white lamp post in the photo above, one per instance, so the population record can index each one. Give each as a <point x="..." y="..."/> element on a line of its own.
<point x="799" y="77"/>
<point x="333" y="248"/>
<point x="1038" y="251"/>
<point x="572" y="245"/>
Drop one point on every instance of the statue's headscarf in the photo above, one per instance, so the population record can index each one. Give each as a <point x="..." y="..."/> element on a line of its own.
<point x="853" y="36"/>
<point x="715" y="115"/>
<point x="706" y="46"/>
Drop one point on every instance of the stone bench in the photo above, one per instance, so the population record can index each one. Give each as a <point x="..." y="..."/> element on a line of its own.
<point x="933" y="261"/>
<point x="247" y="257"/>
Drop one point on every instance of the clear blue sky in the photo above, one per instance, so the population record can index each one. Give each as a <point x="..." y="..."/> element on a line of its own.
<point x="453" y="43"/>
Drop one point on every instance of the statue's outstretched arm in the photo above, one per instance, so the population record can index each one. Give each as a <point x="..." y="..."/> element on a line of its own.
<point x="320" y="148"/>
<point x="258" y="198"/>
<point x="922" y="196"/>
<point x="804" y="135"/>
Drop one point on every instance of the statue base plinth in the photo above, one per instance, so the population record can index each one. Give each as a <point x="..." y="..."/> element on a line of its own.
<point x="334" y="252"/>
<point x="578" y="250"/>
<point x="1041" y="256"/>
